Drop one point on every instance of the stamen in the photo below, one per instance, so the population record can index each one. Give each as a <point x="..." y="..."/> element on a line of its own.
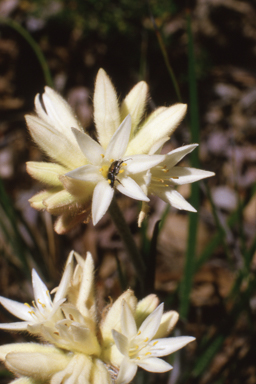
<point x="123" y="165"/>
<point x="43" y="305"/>
<point x="71" y="317"/>
<point x="56" y="333"/>
<point x="27" y="305"/>
<point x="101" y="169"/>
<point x="139" y="333"/>
<point x="146" y="340"/>
<point x="136" y="347"/>
<point x="31" y="312"/>
<point x="138" y="358"/>
<point x="155" y="343"/>
<point x="121" y="171"/>
<point x="102" y="155"/>
<point x="174" y="177"/>
<point x="109" y="181"/>
<point x="148" y="353"/>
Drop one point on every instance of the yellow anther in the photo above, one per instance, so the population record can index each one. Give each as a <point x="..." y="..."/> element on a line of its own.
<point x="109" y="181"/>
<point x="31" y="312"/>
<point x="138" y="358"/>
<point x="121" y="171"/>
<point x="136" y="347"/>
<point x="101" y="169"/>
<point x="155" y="343"/>
<point x="102" y="155"/>
<point x="43" y="305"/>
<point x="139" y="333"/>
<point x="48" y="293"/>
<point x="148" y="353"/>
<point x="56" y="333"/>
<point x="34" y="304"/>
<point x="111" y="161"/>
<point x="123" y="164"/>
<point x="27" y="305"/>
<point x="146" y="340"/>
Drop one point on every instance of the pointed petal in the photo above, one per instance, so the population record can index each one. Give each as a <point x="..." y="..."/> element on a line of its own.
<point x="164" y="347"/>
<point x="153" y="364"/>
<point x="141" y="163"/>
<point x="130" y="188"/>
<point x="68" y="221"/>
<point x="173" y="157"/>
<point x="41" y="292"/>
<point x="90" y="148"/>
<point x="39" y="366"/>
<point x="17" y="309"/>
<point x="161" y="126"/>
<point x="168" y="322"/>
<point x="20" y="326"/>
<point x="128" y="324"/>
<point x="145" y="307"/>
<point x="119" y="141"/>
<point x="47" y="173"/>
<point x="86" y="287"/>
<point x="81" y="189"/>
<point x="59" y="202"/>
<point x="86" y="173"/>
<point x="37" y="201"/>
<point x="106" y="109"/>
<point x="58" y="112"/>
<point x="65" y="282"/>
<point x="176" y="200"/>
<point x="188" y="175"/>
<point x="113" y="317"/>
<point x="127" y="372"/>
<point x="151" y="324"/>
<point x="54" y="143"/>
<point x="102" y="197"/>
<point x="135" y="103"/>
<point x="23" y="380"/>
<point x="121" y="342"/>
<point x="157" y="147"/>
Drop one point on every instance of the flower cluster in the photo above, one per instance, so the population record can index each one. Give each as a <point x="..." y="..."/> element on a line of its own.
<point x="78" y="347"/>
<point x="126" y="156"/>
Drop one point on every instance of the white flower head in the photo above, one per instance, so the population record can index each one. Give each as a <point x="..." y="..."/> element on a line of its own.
<point x="86" y="172"/>
<point x="43" y="308"/>
<point x="139" y="346"/>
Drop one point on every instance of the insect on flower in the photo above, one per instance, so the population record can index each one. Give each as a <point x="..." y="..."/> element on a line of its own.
<point x="114" y="170"/>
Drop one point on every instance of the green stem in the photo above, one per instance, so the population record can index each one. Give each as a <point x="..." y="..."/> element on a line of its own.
<point x="35" y="47"/>
<point x="128" y="240"/>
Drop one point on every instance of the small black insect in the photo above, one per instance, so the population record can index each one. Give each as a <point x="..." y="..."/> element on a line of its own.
<point x="113" y="171"/>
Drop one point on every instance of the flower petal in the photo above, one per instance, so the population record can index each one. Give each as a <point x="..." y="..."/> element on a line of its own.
<point x="168" y="322"/>
<point x="55" y="144"/>
<point x="127" y="372"/>
<point x="19" y="326"/>
<point x="174" y="198"/>
<point x="151" y="324"/>
<point x="41" y="292"/>
<point x="17" y="309"/>
<point x="86" y="173"/>
<point x="90" y="148"/>
<point x="153" y="364"/>
<point x="101" y="199"/>
<point x="106" y="109"/>
<point x="187" y="175"/>
<point x="173" y="157"/>
<point x="47" y="173"/>
<point x="135" y="103"/>
<point x="130" y="188"/>
<point x="65" y="280"/>
<point x="145" y="307"/>
<point x="164" y="347"/>
<point x="160" y="126"/>
<point x="119" y="141"/>
<point x="128" y="324"/>
<point x="141" y="163"/>
<point x="121" y="342"/>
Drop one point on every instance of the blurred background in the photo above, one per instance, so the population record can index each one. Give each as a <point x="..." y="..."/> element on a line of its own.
<point x="205" y="262"/>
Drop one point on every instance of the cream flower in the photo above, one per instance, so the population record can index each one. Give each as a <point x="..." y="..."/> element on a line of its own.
<point x="87" y="171"/>
<point x="43" y="309"/>
<point x="140" y="348"/>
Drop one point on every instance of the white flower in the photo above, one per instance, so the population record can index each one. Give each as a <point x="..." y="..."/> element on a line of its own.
<point x="166" y="175"/>
<point x="140" y="348"/>
<point x="109" y="168"/>
<point x="43" y="308"/>
<point x="81" y="175"/>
